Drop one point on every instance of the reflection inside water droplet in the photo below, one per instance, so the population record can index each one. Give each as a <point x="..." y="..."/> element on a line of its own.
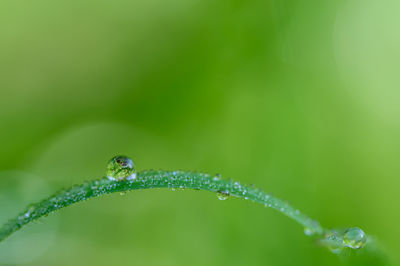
<point x="121" y="168"/>
<point x="354" y="238"/>
<point x="223" y="195"/>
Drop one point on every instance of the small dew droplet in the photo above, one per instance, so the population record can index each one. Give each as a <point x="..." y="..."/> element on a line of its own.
<point x="223" y="195"/>
<point x="335" y="250"/>
<point x="308" y="231"/>
<point x="354" y="238"/>
<point x="29" y="212"/>
<point x="121" y="168"/>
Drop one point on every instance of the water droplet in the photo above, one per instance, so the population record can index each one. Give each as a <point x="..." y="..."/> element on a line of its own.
<point x="308" y="231"/>
<point x="121" y="168"/>
<point x="354" y="238"/>
<point x="335" y="250"/>
<point x="31" y="209"/>
<point x="223" y="195"/>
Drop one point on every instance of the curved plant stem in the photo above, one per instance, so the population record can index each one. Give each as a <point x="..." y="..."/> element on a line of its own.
<point x="155" y="179"/>
<point x="331" y="238"/>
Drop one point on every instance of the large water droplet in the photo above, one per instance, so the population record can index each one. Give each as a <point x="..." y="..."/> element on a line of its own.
<point x="121" y="168"/>
<point x="223" y="195"/>
<point x="354" y="238"/>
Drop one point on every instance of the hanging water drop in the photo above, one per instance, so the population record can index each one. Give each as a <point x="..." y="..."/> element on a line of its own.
<point x="121" y="168"/>
<point x="223" y="195"/>
<point x="354" y="238"/>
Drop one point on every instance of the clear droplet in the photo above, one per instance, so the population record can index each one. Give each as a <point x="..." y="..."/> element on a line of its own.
<point x="354" y="238"/>
<point x="121" y="168"/>
<point x="223" y="195"/>
<point x="308" y="231"/>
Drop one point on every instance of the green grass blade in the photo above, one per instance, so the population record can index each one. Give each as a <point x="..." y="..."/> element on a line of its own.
<point x="333" y="239"/>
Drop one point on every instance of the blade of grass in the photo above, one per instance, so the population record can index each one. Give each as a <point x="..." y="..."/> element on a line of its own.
<point x="333" y="239"/>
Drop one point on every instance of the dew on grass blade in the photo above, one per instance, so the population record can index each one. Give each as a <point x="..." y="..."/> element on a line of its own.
<point x="217" y="177"/>
<point x="312" y="228"/>
<point x="223" y="195"/>
<point x="17" y="190"/>
<point x="121" y="168"/>
<point x="354" y="238"/>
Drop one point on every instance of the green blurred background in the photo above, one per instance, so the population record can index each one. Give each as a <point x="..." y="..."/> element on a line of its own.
<point x="300" y="98"/>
